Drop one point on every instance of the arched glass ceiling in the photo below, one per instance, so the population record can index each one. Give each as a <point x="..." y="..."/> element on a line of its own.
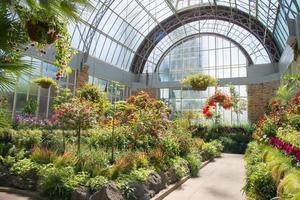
<point x="244" y="38"/>
<point x="125" y="24"/>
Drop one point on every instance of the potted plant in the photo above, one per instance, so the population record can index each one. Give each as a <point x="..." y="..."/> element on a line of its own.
<point x="45" y="82"/>
<point x="199" y="81"/>
<point x="47" y="29"/>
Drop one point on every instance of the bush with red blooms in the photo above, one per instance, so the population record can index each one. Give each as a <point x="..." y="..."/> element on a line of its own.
<point x="218" y="99"/>
<point x="286" y="147"/>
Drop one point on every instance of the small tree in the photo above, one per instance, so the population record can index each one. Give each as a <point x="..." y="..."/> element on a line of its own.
<point x="92" y="93"/>
<point x="238" y="105"/>
<point x="64" y="96"/>
<point x="77" y="114"/>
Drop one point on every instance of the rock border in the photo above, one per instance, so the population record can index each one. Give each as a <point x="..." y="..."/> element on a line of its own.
<point x="26" y="193"/>
<point x="164" y="193"/>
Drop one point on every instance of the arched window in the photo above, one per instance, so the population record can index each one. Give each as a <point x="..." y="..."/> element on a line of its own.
<point x="203" y="54"/>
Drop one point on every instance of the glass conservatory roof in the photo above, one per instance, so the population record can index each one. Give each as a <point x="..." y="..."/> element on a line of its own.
<point x="248" y="42"/>
<point x="114" y="30"/>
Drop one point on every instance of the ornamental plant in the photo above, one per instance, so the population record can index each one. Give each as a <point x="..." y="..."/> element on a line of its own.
<point x="219" y="99"/>
<point x="77" y="114"/>
<point x="199" y="81"/>
<point x="45" y="82"/>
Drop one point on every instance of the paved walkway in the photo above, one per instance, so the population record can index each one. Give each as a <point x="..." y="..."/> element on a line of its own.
<point x="8" y="196"/>
<point x="219" y="180"/>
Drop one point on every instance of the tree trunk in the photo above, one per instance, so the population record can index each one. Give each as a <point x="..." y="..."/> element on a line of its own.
<point x="78" y="141"/>
<point x="64" y="141"/>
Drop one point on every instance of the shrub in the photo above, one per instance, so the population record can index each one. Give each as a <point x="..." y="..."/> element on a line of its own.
<point x="170" y="145"/>
<point x="53" y="182"/>
<point x="67" y="159"/>
<point x="79" y="179"/>
<point x="260" y="185"/>
<point x="6" y="141"/>
<point x="194" y="163"/>
<point x="234" y="138"/>
<point x="158" y="160"/>
<point x="212" y="149"/>
<point x="97" y="182"/>
<point x="22" y="167"/>
<point x="289" y="187"/>
<point x="27" y="138"/>
<point x="181" y="167"/>
<point x="43" y="156"/>
<point x="93" y="161"/>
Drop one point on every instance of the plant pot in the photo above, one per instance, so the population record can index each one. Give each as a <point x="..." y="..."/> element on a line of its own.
<point x="37" y="31"/>
<point x="45" y="85"/>
<point x="201" y="88"/>
<point x="52" y="37"/>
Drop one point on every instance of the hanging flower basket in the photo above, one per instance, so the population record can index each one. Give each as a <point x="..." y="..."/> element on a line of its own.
<point x="199" y="82"/>
<point x="37" y="30"/>
<point x="45" y="82"/>
<point x="52" y="36"/>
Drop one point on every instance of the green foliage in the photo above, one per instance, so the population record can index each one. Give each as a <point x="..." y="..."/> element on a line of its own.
<point x="199" y="81"/>
<point x="234" y="138"/>
<point x="97" y="182"/>
<point x="91" y="92"/>
<point x="65" y="160"/>
<point x="53" y="182"/>
<point x="268" y="170"/>
<point x="45" y="82"/>
<point x="6" y="141"/>
<point x="289" y="135"/>
<point x="93" y="161"/>
<point x="4" y="116"/>
<point x="30" y="107"/>
<point x="212" y="149"/>
<point x="181" y="167"/>
<point x="289" y="187"/>
<point x="170" y="145"/>
<point x="64" y="96"/>
<point x="79" y="179"/>
<point x="194" y="163"/>
<point x="269" y="128"/>
<point x="22" y="167"/>
<point x="27" y="138"/>
<point x="43" y="156"/>
<point x="260" y="185"/>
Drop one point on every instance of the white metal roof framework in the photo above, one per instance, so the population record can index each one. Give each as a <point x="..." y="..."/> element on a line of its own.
<point x="132" y="34"/>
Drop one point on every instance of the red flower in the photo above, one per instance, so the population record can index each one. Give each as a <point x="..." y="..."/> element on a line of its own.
<point x="219" y="97"/>
<point x="227" y="103"/>
<point x="212" y="102"/>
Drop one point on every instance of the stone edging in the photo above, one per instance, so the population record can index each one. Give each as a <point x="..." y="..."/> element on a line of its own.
<point x="162" y="194"/>
<point x="21" y="192"/>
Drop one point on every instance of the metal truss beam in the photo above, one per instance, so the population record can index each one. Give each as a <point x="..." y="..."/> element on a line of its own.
<point x="224" y="13"/>
<point x="92" y="29"/>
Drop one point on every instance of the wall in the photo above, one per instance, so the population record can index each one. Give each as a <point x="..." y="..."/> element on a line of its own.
<point x="258" y="97"/>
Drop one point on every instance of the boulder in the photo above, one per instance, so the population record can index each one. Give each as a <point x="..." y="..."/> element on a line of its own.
<point x="141" y="191"/>
<point x="170" y="176"/>
<point x="80" y="193"/>
<point x="108" y="192"/>
<point x="155" y="182"/>
<point x="23" y="183"/>
<point x="5" y="180"/>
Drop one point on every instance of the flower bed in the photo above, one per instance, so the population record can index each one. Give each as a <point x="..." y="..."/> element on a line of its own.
<point x="131" y="148"/>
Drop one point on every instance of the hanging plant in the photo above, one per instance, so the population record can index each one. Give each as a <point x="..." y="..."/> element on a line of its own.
<point x="47" y="29"/>
<point x="41" y="27"/>
<point x="45" y="82"/>
<point x="199" y="81"/>
<point x="63" y="55"/>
